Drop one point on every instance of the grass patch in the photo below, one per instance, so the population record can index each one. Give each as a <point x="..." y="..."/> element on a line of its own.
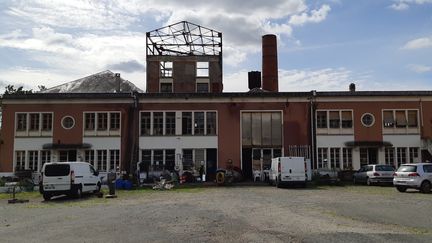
<point x="21" y="195"/>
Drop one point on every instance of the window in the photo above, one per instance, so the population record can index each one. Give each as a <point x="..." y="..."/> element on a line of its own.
<point x="68" y="122"/>
<point x="158" y="123"/>
<point x="45" y="157"/>
<point x="89" y="121"/>
<point x="427" y="168"/>
<point x="158" y="159"/>
<point x="202" y="87"/>
<point x="388" y="119"/>
<point x="335" y="158"/>
<point x="102" y="160"/>
<point x="166" y="87"/>
<point x="262" y="129"/>
<point x="199" y="123"/>
<point x="364" y="158"/>
<point x="187" y="159"/>
<point x="170" y="123"/>
<point x="20" y="158"/>
<point x="33" y="160"/>
<point x="34" y="122"/>
<point x="145" y="123"/>
<point x="389" y="156"/>
<point x="102" y="121"/>
<point x="202" y="69"/>
<point x="170" y="159"/>
<point x="412" y="118"/>
<point x="46" y="121"/>
<point x="114" y="121"/>
<point x="21" y="122"/>
<point x="63" y="156"/>
<point x="145" y="160"/>
<point x="321" y="119"/>
<point x="413" y="154"/>
<point x="187" y="123"/>
<point x="401" y="156"/>
<point x="89" y="157"/>
<point x="347" y="158"/>
<point x="400" y="119"/>
<point x="211" y="123"/>
<point x="347" y="119"/>
<point x="199" y="157"/>
<point x="334" y="121"/>
<point x="114" y="159"/>
<point x="166" y="69"/>
<point x="367" y="120"/>
<point x="322" y="158"/>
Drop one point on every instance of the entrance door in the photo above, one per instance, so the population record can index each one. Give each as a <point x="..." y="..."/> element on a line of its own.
<point x="247" y="163"/>
<point x="373" y="155"/>
<point x="67" y="155"/>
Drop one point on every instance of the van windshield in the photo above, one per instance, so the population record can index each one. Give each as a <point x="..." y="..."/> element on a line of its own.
<point x="57" y="170"/>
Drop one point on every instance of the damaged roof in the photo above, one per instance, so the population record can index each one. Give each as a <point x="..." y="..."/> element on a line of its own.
<point x="102" y="82"/>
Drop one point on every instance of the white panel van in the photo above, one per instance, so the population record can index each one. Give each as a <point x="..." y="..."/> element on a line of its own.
<point x="70" y="178"/>
<point x="288" y="170"/>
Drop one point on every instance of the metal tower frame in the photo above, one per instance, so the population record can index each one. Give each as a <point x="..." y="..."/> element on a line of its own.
<point x="184" y="39"/>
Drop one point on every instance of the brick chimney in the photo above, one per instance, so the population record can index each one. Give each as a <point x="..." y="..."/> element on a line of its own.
<point x="269" y="63"/>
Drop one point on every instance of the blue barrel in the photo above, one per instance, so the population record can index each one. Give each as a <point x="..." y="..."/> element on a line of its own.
<point x="119" y="184"/>
<point x="127" y="185"/>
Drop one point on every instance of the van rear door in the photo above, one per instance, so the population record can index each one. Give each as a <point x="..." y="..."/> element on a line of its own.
<point x="293" y="169"/>
<point x="56" y="177"/>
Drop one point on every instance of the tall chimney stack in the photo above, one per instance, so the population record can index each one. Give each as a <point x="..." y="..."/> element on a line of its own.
<point x="118" y="82"/>
<point x="269" y="63"/>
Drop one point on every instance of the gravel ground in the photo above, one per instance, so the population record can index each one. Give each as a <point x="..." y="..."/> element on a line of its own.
<point x="230" y="214"/>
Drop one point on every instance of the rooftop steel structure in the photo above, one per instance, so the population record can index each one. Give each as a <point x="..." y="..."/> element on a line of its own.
<point x="184" y="39"/>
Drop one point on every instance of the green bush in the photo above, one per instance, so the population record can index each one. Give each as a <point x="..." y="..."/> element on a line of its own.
<point x="2" y="181"/>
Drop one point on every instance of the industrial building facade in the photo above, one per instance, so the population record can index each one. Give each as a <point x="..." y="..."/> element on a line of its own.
<point x="185" y="120"/>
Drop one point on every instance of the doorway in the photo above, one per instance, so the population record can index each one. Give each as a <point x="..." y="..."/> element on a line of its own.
<point x="67" y="155"/>
<point x="368" y="156"/>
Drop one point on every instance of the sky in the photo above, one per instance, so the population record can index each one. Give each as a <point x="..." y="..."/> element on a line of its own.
<point x="323" y="45"/>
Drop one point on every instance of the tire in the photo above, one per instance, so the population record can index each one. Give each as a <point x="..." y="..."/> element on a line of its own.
<point x="425" y="187"/>
<point x="278" y="184"/>
<point x="98" y="188"/>
<point x="77" y="192"/>
<point x="401" y="188"/>
<point x="46" y="196"/>
<point x="369" y="182"/>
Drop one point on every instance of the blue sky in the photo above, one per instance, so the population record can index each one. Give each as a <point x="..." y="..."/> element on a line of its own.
<point x="323" y="44"/>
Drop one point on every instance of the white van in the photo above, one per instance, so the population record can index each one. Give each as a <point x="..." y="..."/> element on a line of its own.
<point x="70" y="178"/>
<point x="288" y="170"/>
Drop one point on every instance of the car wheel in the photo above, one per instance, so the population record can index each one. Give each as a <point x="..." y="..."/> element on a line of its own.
<point x="425" y="187"/>
<point x="98" y="188"/>
<point x="46" y="196"/>
<point x="369" y="182"/>
<point x="78" y="192"/>
<point x="401" y="188"/>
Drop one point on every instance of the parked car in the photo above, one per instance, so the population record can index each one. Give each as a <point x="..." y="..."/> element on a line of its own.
<point x="417" y="176"/>
<point x="374" y="174"/>
<point x="70" y="178"/>
<point x="288" y="170"/>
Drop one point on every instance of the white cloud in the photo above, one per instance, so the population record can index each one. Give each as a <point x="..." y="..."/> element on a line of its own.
<point x="420" y="68"/>
<point x="327" y="79"/>
<point x="84" y="37"/>
<point x="315" y="16"/>
<point x="400" y="5"/>
<point x="420" y="43"/>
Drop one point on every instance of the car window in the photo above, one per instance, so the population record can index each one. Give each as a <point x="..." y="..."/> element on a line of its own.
<point x="384" y="168"/>
<point x="92" y="170"/>
<point x="427" y="168"/>
<point x="57" y="170"/>
<point x="369" y="168"/>
<point x="407" y="168"/>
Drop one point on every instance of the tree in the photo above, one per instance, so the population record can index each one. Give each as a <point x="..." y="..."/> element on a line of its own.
<point x="42" y="88"/>
<point x="10" y="89"/>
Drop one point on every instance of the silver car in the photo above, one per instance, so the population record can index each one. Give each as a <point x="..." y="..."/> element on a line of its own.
<point x="374" y="174"/>
<point x="417" y="176"/>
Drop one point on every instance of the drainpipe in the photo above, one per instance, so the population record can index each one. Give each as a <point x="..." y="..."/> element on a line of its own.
<point x="312" y="128"/>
